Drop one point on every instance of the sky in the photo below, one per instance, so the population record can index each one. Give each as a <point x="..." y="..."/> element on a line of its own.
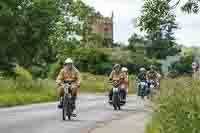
<point x="125" y="11"/>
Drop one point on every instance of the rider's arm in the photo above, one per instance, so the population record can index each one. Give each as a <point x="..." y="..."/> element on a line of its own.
<point x="111" y="76"/>
<point x="159" y="75"/>
<point x="147" y="76"/>
<point x="78" y="78"/>
<point x="60" y="77"/>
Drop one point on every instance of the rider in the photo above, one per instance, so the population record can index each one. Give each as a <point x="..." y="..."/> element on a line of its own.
<point x="125" y="82"/>
<point x="142" y="75"/>
<point x="141" y="78"/>
<point x="115" y="75"/>
<point x="152" y="74"/>
<point x="69" y="73"/>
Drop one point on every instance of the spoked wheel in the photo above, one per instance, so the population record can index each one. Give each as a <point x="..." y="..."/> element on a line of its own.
<point x="64" y="109"/>
<point x="141" y="92"/>
<point x="69" y="111"/>
<point x="119" y="107"/>
<point x="115" y="102"/>
<point x="69" y="117"/>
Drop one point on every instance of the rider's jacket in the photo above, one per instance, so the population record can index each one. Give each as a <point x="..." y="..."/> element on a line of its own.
<point x="70" y="75"/>
<point x="116" y="76"/>
<point x="125" y="82"/>
<point x="142" y="76"/>
<point x="152" y="75"/>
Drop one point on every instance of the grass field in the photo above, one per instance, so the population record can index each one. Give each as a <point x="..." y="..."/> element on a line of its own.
<point x="25" y="91"/>
<point x="176" y="109"/>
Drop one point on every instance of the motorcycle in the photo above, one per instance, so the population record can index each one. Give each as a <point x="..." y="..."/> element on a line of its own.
<point x="117" y="101"/>
<point x="67" y="101"/>
<point x="142" y="89"/>
<point x="151" y="88"/>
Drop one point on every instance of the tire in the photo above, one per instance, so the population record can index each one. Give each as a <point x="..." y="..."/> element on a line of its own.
<point x="69" y="117"/>
<point x="63" y="114"/>
<point x="69" y="110"/>
<point x="141" y="92"/>
<point x="115" y="101"/>
<point x="119" y="107"/>
<point x="64" y="110"/>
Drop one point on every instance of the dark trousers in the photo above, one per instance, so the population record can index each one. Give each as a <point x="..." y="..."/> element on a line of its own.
<point x="122" y="93"/>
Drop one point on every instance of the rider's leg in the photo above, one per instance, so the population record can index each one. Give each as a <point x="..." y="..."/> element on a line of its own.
<point x="74" y="95"/>
<point x="110" y="96"/>
<point x="123" y="93"/>
<point x="60" y="91"/>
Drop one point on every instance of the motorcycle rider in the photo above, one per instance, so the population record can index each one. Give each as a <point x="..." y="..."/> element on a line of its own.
<point x="152" y="74"/>
<point x="115" y="75"/>
<point x="69" y="73"/>
<point x="195" y="68"/>
<point x="141" y="77"/>
<point x="125" y="83"/>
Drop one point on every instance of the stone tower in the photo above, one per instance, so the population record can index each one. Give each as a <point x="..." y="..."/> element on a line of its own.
<point x="103" y="26"/>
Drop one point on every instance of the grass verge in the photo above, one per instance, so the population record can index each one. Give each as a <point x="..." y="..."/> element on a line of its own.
<point x="176" y="109"/>
<point x="25" y="91"/>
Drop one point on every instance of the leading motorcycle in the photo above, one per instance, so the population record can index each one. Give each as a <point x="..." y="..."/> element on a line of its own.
<point x="67" y="101"/>
<point x="117" y="101"/>
<point x="142" y="89"/>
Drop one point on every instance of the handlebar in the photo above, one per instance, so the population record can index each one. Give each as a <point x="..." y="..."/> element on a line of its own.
<point x="68" y="81"/>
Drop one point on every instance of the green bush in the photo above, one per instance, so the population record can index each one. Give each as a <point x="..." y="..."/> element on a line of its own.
<point x="177" y="108"/>
<point x="183" y="66"/>
<point x="92" y="60"/>
<point x="54" y="70"/>
<point x="23" y="73"/>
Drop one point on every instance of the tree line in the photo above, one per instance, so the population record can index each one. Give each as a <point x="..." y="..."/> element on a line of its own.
<point x="39" y="35"/>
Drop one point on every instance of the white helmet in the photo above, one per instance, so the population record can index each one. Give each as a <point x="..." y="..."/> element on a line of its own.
<point x="68" y="61"/>
<point x="142" y="69"/>
<point x="194" y="65"/>
<point x="124" y="69"/>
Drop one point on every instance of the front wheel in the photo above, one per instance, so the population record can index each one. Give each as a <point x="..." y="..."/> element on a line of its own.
<point x="69" y="109"/>
<point x="116" y="103"/>
<point x="64" y="110"/>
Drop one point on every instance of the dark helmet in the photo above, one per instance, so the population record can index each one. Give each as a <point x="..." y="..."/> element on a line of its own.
<point x="116" y="66"/>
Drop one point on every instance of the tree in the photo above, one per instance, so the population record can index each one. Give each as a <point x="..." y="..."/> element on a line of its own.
<point x="191" y="6"/>
<point x="73" y="29"/>
<point x="134" y="41"/>
<point x="159" y="22"/>
<point x="24" y="28"/>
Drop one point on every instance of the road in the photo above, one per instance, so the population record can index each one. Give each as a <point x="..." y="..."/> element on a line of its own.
<point x="93" y="111"/>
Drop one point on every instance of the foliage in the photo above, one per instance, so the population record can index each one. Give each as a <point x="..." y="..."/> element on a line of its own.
<point x="191" y="6"/>
<point x="24" y="29"/>
<point x="54" y="70"/>
<point x="177" y="107"/>
<point x="183" y="66"/>
<point x="22" y="91"/>
<point x="134" y="40"/>
<point x="159" y="22"/>
<point x="22" y="73"/>
<point x="92" y="60"/>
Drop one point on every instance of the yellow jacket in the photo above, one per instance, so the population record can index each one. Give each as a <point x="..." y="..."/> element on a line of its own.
<point x="72" y="75"/>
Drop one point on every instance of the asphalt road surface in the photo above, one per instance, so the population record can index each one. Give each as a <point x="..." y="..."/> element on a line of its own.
<point x="93" y="112"/>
